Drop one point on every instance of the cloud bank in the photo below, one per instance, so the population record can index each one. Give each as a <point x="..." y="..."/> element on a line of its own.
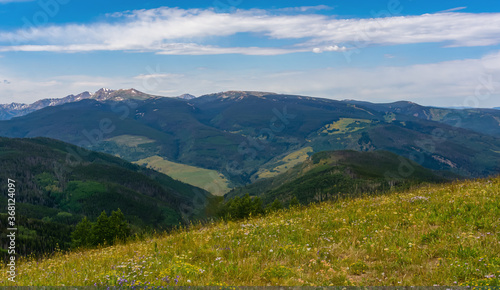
<point x="177" y="31"/>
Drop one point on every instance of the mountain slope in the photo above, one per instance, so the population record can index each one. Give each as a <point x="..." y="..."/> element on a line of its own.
<point x="58" y="183"/>
<point x="332" y="174"/>
<point x="486" y="121"/>
<point x="440" y="235"/>
<point x="239" y="133"/>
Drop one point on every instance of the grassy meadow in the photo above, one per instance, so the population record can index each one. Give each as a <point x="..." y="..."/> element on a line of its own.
<point x="432" y="235"/>
<point x="130" y="140"/>
<point x="345" y="125"/>
<point x="210" y="180"/>
<point x="285" y="163"/>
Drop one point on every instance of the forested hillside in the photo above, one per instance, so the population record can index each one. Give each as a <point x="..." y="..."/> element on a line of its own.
<point x="57" y="184"/>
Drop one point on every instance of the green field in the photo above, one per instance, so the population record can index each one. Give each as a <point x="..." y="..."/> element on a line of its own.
<point x="130" y="140"/>
<point x="286" y="163"/>
<point x="345" y="125"/>
<point x="210" y="180"/>
<point x="431" y="235"/>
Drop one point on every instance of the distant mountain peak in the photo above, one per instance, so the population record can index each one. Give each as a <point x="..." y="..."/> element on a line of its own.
<point x="237" y="95"/>
<point x="102" y="94"/>
<point x="186" y="97"/>
<point x="106" y="94"/>
<point x="9" y="111"/>
<point x="249" y="93"/>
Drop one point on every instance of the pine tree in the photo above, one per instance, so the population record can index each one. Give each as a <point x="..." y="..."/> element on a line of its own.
<point x="81" y="236"/>
<point x="119" y="229"/>
<point x="101" y="231"/>
<point x="245" y="207"/>
<point x="234" y="208"/>
<point x="257" y="207"/>
<point x="294" y="202"/>
<point x="276" y="205"/>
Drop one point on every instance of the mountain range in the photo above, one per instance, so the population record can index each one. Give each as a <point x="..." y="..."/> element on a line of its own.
<point x="9" y="111"/>
<point x="247" y="136"/>
<point x="480" y="120"/>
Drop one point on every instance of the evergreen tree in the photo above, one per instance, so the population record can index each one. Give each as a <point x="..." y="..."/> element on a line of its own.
<point x="276" y="205"/>
<point x="240" y="208"/>
<point x="294" y="202"/>
<point x="257" y="207"/>
<point x="119" y="227"/>
<point x="234" y="208"/>
<point x="81" y="236"/>
<point x="101" y="232"/>
<point x="245" y="207"/>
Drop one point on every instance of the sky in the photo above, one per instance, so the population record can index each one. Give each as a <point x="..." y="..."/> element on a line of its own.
<point x="435" y="53"/>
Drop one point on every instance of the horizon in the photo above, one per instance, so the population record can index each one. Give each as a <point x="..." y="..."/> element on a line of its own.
<point x="343" y="100"/>
<point x="432" y="54"/>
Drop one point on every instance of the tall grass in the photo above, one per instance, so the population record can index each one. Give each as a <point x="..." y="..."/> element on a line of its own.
<point x="432" y="235"/>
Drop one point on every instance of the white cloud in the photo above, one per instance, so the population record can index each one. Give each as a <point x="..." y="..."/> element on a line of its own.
<point x="454" y="9"/>
<point x="329" y="48"/>
<point x="179" y="31"/>
<point x="196" y="49"/>
<point x="305" y="8"/>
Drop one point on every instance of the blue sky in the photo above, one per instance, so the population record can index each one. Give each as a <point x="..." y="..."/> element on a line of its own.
<point x="444" y="53"/>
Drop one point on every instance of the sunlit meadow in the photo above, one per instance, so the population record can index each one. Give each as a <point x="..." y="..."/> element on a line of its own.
<point x="431" y="235"/>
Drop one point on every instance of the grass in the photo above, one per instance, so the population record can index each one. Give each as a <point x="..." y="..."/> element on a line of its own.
<point x="286" y="163"/>
<point x="210" y="180"/>
<point x="130" y="140"/>
<point x="345" y="125"/>
<point x="431" y="235"/>
<point x="389" y="117"/>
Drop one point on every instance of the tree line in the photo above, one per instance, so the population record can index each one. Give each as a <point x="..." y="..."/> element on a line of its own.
<point x="104" y="231"/>
<point x="243" y="207"/>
